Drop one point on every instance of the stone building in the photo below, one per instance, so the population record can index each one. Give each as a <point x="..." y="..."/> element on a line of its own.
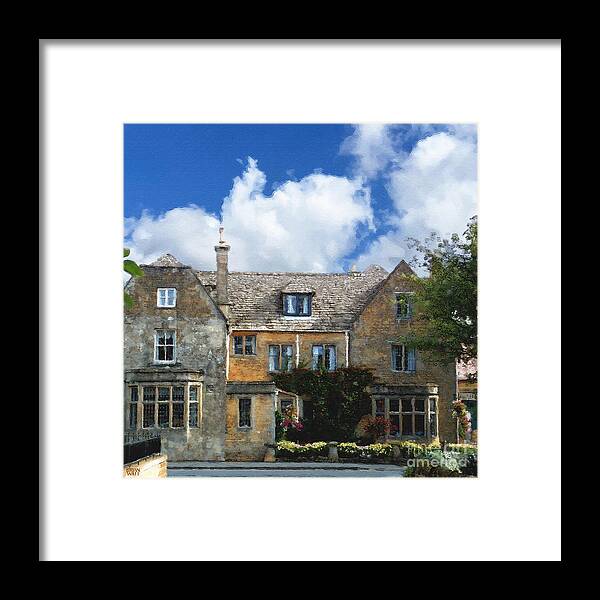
<point x="467" y="392"/>
<point x="201" y="348"/>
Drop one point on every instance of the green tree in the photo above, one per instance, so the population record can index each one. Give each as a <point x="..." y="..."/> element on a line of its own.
<point x="446" y="301"/>
<point x="339" y="399"/>
<point x="131" y="267"/>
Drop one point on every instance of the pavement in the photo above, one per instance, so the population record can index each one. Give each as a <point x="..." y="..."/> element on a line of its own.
<point x="280" y="469"/>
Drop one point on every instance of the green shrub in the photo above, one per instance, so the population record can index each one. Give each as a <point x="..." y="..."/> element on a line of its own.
<point x="300" y="452"/>
<point x="440" y="463"/>
<point x="365" y="453"/>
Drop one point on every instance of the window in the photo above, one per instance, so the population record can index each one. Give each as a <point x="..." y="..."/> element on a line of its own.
<point x="299" y="305"/>
<point x="149" y="406"/>
<point x="244" y="344"/>
<point x="432" y="417"/>
<point x="244" y="412"/>
<point x="163" y="406"/>
<point x="287" y="406"/>
<point x="177" y="407"/>
<point x="324" y="357"/>
<point x="280" y="358"/>
<point x="403" y="305"/>
<point x="409" y="417"/>
<point x="166" y="297"/>
<point x="164" y="395"/>
<point x="133" y="407"/>
<point x="403" y="359"/>
<point x="164" y="346"/>
<point x="193" y="414"/>
<point x="413" y="417"/>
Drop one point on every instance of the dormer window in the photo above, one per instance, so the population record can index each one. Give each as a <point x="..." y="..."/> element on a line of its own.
<point x="297" y="305"/>
<point x="166" y="297"/>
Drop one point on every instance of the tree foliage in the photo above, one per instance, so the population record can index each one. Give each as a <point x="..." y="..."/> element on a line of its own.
<point x="339" y="399"/>
<point x="131" y="267"/>
<point x="446" y="301"/>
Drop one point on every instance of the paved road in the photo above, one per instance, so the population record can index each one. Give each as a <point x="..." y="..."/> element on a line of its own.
<point x="198" y="469"/>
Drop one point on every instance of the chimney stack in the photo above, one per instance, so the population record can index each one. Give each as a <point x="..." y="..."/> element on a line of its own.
<point x="222" y="250"/>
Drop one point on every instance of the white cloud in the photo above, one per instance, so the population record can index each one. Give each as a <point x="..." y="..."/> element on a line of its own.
<point x="434" y="188"/>
<point x="305" y="225"/>
<point x="371" y="145"/>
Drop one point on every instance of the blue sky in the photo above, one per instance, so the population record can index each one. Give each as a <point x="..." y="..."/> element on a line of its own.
<point x="295" y="197"/>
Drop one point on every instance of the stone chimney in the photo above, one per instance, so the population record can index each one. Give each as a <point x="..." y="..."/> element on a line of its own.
<point x="222" y="250"/>
<point x="354" y="272"/>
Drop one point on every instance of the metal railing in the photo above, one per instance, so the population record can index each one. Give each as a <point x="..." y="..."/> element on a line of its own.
<point x="139" y="444"/>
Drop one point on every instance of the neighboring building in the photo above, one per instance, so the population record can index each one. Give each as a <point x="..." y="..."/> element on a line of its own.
<point x="467" y="392"/>
<point x="201" y="348"/>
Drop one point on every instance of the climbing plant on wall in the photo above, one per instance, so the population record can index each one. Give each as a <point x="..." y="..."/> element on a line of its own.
<point x="339" y="399"/>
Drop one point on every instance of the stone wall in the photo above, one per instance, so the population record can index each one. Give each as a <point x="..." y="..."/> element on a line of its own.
<point x="200" y="351"/>
<point x="149" y="467"/>
<point x="248" y="444"/>
<point x="373" y="334"/>
<point x="256" y="367"/>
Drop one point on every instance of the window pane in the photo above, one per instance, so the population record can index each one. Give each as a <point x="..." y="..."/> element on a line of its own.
<point x="177" y="414"/>
<point x="411" y="361"/>
<point x="394" y="424"/>
<point x="406" y="405"/>
<point x="160" y="338"/>
<point x="396" y="358"/>
<point x="148" y="420"/>
<point x="163" y="394"/>
<point x="178" y="394"/>
<point x="286" y="405"/>
<point x="149" y="394"/>
<point x="193" y="394"/>
<point x="244" y="410"/>
<point x="420" y="404"/>
<point x="286" y="358"/>
<point x="238" y="344"/>
<point x="432" y="425"/>
<point x="330" y="358"/>
<point x="317" y="353"/>
<point x="394" y="405"/>
<point x="407" y="424"/>
<point x="379" y="406"/>
<point x="133" y="416"/>
<point x="303" y="305"/>
<point x="250" y="344"/>
<point x="419" y="424"/>
<point x="290" y="304"/>
<point x="163" y="414"/>
<point x="168" y="353"/>
<point x="193" y="414"/>
<point x="171" y="297"/>
<point x="273" y="358"/>
<point x="133" y="394"/>
<point x="431" y="405"/>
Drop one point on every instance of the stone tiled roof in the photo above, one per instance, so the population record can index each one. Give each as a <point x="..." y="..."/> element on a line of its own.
<point x="338" y="298"/>
<point x="166" y="260"/>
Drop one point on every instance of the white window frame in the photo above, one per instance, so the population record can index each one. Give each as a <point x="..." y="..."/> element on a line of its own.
<point x="156" y="359"/>
<point x="166" y="290"/>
